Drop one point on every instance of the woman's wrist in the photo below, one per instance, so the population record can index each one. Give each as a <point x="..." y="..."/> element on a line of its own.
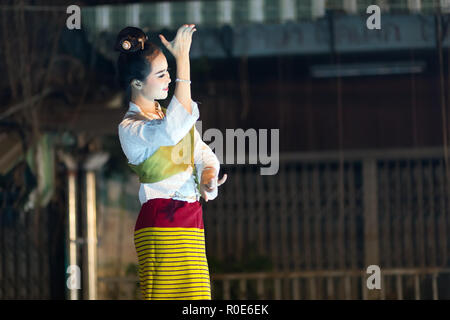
<point x="207" y="169"/>
<point x="183" y="68"/>
<point x="182" y="58"/>
<point x="182" y="80"/>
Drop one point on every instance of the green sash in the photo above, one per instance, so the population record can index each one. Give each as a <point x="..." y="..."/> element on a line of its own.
<point x="168" y="160"/>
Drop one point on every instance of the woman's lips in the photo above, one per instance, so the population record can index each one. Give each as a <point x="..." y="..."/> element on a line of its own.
<point x="166" y="89"/>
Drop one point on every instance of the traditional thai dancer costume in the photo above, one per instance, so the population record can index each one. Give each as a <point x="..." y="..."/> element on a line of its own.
<point x="169" y="232"/>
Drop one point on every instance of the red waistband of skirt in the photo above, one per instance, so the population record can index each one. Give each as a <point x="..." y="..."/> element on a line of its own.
<point x="170" y="213"/>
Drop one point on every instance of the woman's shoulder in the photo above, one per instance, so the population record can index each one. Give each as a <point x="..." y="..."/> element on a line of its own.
<point x="135" y="118"/>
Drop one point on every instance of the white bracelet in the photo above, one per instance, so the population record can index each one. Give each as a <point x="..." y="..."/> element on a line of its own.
<point x="180" y="80"/>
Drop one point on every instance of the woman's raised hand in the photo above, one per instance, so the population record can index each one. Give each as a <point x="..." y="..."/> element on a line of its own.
<point x="179" y="47"/>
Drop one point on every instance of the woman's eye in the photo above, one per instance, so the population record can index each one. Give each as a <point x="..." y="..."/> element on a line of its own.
<point x="161" y="76"/>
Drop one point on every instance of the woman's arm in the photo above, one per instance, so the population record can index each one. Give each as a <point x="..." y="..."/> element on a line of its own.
<point x="208" y="167"/>
<point x="183" y="89"/>
<point x="179" y="47"/>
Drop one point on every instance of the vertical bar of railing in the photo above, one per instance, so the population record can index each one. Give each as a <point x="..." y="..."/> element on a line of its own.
<point x="341" y="225"/>
<point x="442" y="214"/>
<point x="220" y="226"/>
<point x="347" y="288"/>
<point x="277" y="286"/>
<point x="230" y="221"/>
<point x="364" y="287"/>
<point x="23" y="256"/>
<point x="282" y="193"/>
<point x="14" y="256"/>
<point x="33" y="227"/>
<point x="370" y="203"/>
<point x="430" y="221"/>
<point x="274" y="221"/>
<point x="260" y="288"/>
<point x="397" y="216"/>
<point x="306" y="211"/>
<point x="329" y="247"/>
<point x="446" y="200"/>
<point x="408" y="235"/>
<point x="420" y="235"/>
<point x="253" y="209"/>
<point x="435" y="287"/>
<point x="295" y="289"/>
<point x="399" y="287"/>
<point x="260" y="199"/>
<point x="354" y="253"/>
<point x="242" y="289"/>
<point x="226" y="289"/>
<point x="232" y="215"/>
<point x="330" y="288"/>
<point x="385" y="234"/>
<point x="44" y="255"/>
<point x="295" y="214"/>
<point x="240" y="241"/>
<point x="417" y="286"/>
<point x="285" y="285"/>
<point x="318" y="215"/>
<point x="312" y="288"/>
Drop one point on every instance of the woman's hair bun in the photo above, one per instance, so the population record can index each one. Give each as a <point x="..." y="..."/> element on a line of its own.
<point x="130" y="39"/>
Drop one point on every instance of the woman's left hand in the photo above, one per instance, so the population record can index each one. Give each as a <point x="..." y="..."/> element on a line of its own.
<point x="180" y="46"/>
<point x="209" y="181"/>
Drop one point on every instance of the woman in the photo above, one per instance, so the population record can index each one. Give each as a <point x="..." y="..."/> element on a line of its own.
<point x="166" y="151"/>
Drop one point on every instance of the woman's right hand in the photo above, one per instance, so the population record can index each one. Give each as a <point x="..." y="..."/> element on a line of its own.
<point x="179" y="47"/>
<point x="209" y="181"/>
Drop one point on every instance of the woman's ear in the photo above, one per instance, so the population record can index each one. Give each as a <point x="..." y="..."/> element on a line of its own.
<point x="136" y="84"/>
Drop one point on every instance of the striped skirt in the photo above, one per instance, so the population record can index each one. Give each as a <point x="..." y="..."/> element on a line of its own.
<point x="170" y="244"/>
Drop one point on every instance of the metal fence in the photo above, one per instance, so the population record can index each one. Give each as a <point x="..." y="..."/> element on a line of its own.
<point x="385" y="208"/>
<point x="396" y="284"/>
<point x="334" y="284"/>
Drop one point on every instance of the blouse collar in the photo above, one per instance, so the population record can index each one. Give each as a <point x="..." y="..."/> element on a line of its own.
<point x="134" y="107"/>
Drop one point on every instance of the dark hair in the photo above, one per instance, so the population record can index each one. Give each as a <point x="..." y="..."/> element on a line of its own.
<point x="136" y="54"/>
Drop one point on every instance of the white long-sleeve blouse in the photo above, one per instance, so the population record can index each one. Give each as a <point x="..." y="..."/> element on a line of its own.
<point x="140" y="137"/>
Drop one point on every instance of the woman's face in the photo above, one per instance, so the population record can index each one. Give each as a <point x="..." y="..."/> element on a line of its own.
<point x="156" y="85"/>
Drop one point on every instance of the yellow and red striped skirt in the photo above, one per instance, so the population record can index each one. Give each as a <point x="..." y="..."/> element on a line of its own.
<point x="170" y="244"/>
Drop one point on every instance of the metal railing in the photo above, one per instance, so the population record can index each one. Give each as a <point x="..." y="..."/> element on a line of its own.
<point x="396" y="284"/>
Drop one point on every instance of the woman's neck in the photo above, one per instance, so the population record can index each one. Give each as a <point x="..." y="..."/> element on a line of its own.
<point x="146" y="105"/>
